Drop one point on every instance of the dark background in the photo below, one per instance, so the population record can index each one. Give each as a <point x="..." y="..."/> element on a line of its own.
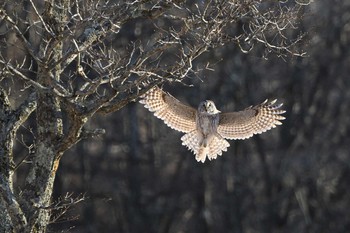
<point x="296" y="178"/>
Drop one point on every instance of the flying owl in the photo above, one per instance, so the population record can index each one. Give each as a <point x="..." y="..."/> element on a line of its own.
<point x="206" y="128"/>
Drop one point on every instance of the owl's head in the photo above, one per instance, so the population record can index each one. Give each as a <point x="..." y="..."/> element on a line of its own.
<point x="208" y="106"/>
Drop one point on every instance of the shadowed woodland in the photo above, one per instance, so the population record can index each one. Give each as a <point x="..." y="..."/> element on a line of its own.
<point x="123" y="170"/>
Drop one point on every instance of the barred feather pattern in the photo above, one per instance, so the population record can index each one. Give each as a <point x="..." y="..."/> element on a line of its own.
<point x="214" y="146"/>
<point x="206" y="128"/>
<point x="174" y="114"/>
<point x="252" y="120"/>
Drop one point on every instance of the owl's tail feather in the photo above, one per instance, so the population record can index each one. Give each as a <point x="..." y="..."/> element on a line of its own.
<point x="192" y="140"/>
<point x="203" y="148"/>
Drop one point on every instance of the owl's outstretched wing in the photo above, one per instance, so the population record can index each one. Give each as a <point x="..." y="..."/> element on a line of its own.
<point x="252" y="120"/>
<point x="176" y="115"/>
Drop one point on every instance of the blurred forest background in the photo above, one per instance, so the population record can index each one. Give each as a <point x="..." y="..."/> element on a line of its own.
<point x="296" y="178"/>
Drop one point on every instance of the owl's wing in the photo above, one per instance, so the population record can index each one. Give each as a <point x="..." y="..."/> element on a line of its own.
<point x="252" y="120"/>
<point x="175" y="114"/>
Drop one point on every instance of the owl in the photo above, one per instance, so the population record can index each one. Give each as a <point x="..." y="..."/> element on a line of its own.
<point x="206" y="129"/>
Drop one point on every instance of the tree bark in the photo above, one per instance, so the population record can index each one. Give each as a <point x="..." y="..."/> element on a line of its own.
<point x="39" y="183"/>
<point x="12" y="218"/>
<point x="40" y="180"/>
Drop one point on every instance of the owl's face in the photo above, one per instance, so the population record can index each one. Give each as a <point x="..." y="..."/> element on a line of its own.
<point x="208" y="106"/>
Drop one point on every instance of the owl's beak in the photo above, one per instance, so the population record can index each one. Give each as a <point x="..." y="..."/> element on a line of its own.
<point x="216" y="111"/>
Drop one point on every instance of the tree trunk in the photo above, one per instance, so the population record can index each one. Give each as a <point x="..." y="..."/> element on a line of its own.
<point x="40" y="180"/>
<point x="12" y="218"/>
<point x="39" y="183"/>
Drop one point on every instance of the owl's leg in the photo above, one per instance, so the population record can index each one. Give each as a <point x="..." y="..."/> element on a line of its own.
<point x="202" y="154"/>
<point x="194" y="141"/>
<point x="204" y="148"/>
<point x="204" y="141"/>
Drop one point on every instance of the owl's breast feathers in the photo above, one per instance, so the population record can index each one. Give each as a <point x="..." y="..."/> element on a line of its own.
<point x="207" y="124"/>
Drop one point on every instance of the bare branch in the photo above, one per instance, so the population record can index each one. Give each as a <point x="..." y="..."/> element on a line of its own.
<point x="49" y="30"/>
<point x="98" y="56"/>
<point x="14" y="25"/>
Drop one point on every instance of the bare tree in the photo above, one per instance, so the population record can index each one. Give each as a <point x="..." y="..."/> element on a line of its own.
<point x="66" y="60"/>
